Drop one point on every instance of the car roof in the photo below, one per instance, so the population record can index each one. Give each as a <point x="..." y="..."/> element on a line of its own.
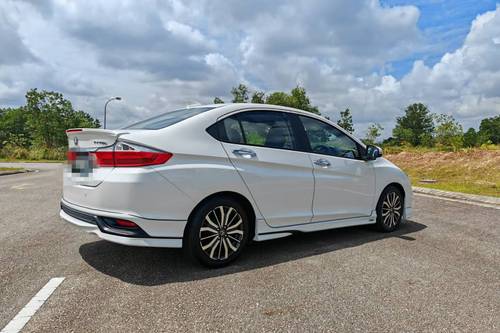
<point x="226" y="108"/>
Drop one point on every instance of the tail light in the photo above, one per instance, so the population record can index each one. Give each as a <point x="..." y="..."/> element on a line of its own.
<point x="71" y="154"/>
<point x="124" y="154"/>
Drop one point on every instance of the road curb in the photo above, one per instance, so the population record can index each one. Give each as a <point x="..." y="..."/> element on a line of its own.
<point x="472" y="198"/>
<point x="13" y="172"/>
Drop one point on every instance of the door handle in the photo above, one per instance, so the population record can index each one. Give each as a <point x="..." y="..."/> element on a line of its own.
<point x="245" y="153"/>
<point x="322" y="163"/>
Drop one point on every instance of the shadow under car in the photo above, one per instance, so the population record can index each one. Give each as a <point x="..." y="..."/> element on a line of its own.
<point x="157" y="266"/>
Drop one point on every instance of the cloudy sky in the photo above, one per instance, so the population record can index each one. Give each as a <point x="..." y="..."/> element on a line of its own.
<point x="374" y="57"/>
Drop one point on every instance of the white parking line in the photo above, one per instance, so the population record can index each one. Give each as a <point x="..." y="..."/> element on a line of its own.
<point x="23" y="316"/>
<point x="22" y="186"/>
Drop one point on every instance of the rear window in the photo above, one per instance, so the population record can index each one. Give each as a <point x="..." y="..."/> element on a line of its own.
<point x="168" y="118"/>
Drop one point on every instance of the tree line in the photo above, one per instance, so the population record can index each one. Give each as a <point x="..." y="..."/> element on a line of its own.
<point x="36" y="130"/>
<point x="417" y="127"/>
<point x="420" y="127"/>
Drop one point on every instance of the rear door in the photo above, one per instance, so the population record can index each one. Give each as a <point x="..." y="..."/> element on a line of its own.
<point x="345" y="183"/>
<point x="262" y="146"/>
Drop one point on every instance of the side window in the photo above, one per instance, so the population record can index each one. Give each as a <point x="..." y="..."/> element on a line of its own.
<point x="257" y="128"/>
<point x="227" y="130"/>
<point x="268" y="129"/>
<point x="326" y="139"/>
<point x="233" y="130"/>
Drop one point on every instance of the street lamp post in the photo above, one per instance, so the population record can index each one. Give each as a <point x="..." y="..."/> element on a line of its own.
<point x="117" y="98"/>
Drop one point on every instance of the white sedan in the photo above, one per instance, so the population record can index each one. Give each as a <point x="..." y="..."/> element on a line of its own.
<point x="212" y="178"/>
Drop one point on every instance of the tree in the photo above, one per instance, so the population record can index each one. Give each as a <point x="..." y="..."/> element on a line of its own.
<point x="49" y="114"/>
<point x="372" y="133"/>
<point x="217" y="100"/>
<point x="345" y="120"/>
<point x="240" y="94"/>
<point x="489" y="129"/>
<point x="258" y="97"/>
<point x="449" y="132"/>
<point x="471" y="138"/>
<point x="296" y="99"/>
<point x="300" y="100"/>
<point x="278" y="98"/>
<point x="390" y="141"/>
<point x="416" y="126"/>
<point x="13" y="127"/>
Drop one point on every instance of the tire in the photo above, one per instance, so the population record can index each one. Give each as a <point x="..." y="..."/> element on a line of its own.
<point x="390" y="209"/>
<point x="217" y="232"/>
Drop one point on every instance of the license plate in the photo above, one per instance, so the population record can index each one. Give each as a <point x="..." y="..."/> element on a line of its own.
<point x="82" y="165"/>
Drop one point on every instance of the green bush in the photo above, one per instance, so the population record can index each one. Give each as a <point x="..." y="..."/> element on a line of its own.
<point x="12" y="152"/>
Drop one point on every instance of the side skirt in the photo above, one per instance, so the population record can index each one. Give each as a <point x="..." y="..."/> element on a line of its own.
<point x="265" y="232"/>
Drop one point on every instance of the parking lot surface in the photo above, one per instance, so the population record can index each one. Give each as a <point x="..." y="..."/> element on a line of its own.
<point x="439" y="272"/>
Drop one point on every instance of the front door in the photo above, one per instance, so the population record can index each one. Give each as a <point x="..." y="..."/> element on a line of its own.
<point x="345" y="184"/>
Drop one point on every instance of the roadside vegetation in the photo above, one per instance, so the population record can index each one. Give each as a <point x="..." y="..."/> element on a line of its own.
<point x="428" y="146"/>
<point x="36" y="130"/>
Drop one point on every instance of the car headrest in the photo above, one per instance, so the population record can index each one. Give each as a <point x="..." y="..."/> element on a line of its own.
<point x="276" y="137"/>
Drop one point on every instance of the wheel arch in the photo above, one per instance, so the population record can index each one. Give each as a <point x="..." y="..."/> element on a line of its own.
<point x="234" y="195"/>
<point x="398" y="186"/>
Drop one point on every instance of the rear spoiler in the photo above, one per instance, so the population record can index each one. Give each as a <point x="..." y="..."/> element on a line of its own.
<point x="84" y="138"/>
<point x="96" y="131"/>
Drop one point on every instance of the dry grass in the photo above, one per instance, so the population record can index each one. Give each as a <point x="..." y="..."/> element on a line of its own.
<point x="475" y="171"/>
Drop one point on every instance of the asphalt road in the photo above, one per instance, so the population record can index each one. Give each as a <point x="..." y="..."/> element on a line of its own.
<point x="439" y="272"/>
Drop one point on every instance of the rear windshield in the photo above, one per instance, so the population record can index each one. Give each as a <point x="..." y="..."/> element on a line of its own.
<point x="168" y="118"/>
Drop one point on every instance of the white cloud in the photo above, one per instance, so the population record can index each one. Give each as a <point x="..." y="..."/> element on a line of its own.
<point x="186" y="33"/>
<point x="466" y="82"/>
<point x="162" y="55"/>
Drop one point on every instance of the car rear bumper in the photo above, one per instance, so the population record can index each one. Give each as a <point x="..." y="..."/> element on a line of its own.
<point x="151" y="233"/>
<point x="140" y="191"/>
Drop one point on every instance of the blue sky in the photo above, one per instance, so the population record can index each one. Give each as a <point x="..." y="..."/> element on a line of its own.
<point x="374" y="57"/>
<point x="444" y="25"/>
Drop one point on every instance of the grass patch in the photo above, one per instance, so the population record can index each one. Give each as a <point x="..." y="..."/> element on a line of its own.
<point x="11" y="160"/>
<point x="474" y="171"/>
<point x="10" y="169"/>
<point x="11" y="153"/>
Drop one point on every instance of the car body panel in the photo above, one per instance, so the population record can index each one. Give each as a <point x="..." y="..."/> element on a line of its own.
<point x="387" y="173"/>
<point x="344" y="189"/>
<point x="133" y="191"/>
<point x="281" y="182"/>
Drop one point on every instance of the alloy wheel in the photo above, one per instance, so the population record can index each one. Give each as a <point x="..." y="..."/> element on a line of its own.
<point x="221" y="232"/>
<point x="391" y="209"/>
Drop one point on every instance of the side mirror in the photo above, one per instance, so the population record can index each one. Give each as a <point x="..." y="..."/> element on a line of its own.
<point x="373" y="152"/>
